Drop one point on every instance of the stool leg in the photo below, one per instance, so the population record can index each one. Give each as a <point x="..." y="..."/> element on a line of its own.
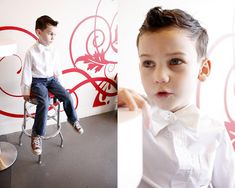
<point x="20" y="138"/>
<point x="23" y="125"/>
<point x="39" y="159"/>
<point x="62" y="140"/>
<point x="58" y="116"/>
<point x="58" y="126"/>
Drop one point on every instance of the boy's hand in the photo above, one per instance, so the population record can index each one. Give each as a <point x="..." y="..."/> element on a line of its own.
<point x="26" y="97"/>
<point x="131" y="99"/>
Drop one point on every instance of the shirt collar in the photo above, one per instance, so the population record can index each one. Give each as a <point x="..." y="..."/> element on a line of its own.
<point x="187" y="117"/>
<point x="42" y="47"/>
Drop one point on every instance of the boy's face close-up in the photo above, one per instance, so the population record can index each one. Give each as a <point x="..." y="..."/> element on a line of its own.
<point x="169" y="67"/>
<point x="46" y="36"/>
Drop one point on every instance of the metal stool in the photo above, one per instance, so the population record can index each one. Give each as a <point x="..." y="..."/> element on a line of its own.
<point x="55" y="106"/>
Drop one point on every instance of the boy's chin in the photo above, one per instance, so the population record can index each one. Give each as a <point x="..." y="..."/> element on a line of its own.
<point x="170" y="107"/>
<point x="167" y="107"/>
<point x="161" y="106"/>
<point x="48" y="43"/>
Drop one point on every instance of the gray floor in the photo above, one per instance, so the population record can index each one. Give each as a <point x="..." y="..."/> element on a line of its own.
<point x="85" y="161"/>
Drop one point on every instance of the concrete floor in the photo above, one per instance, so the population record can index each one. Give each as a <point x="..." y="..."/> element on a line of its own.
<point x="85" y="161"/>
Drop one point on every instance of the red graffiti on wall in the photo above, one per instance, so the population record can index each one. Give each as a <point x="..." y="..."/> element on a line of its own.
<point x="97" y="44"/>
<point x="96" y="60"/>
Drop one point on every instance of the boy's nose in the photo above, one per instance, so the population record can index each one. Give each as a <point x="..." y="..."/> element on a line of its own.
<point x="161" y="75"/>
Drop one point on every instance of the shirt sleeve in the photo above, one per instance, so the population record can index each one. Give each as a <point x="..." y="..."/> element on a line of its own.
<point x="224" y="166"/>
<point x="26" y="78"/>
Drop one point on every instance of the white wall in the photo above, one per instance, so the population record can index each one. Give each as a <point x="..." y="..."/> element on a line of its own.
<point x="74" y="16"/>
<point x="218" y="17"/>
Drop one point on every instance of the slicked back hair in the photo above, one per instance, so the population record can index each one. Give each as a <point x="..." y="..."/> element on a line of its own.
<point x="158" y="18"/>
<point x="43" y="21"/>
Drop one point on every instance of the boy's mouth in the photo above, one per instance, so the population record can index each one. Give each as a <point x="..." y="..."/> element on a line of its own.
<point x="163" y="94"/>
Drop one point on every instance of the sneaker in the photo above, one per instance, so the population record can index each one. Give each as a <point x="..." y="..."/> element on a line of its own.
<point x="36" y="144"/>
<point x="76" y="125"/>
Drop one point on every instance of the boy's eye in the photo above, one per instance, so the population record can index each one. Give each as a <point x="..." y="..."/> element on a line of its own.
<point x="51" y="34"/>
<point x="148" y="64"/>
<point x="175" y="61"/>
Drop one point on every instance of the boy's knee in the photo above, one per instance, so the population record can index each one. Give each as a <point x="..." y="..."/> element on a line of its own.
<point x="66" y="97"/>
<point x="43" y="102"/>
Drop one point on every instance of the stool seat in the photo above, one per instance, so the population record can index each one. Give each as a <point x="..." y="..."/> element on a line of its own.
<point x="51" y="96"/>
<point x="54" y="106"/>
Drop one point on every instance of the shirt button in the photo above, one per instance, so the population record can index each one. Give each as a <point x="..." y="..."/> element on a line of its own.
<point x="170" y="117"/>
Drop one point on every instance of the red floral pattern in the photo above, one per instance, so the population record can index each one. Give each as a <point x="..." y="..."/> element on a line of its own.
<point x="96" y="61"/>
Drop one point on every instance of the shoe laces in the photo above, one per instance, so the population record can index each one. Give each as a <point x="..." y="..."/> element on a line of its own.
<point x="76" y="124"/>
<point x="37" y="141"/>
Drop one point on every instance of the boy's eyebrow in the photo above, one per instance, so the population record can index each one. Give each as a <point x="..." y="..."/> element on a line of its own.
<point x="175" y="53"/>
<point x="167" y="54"/>
<point x="144" y="55"/>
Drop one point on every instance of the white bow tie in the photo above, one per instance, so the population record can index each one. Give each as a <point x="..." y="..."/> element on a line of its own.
<point x="187" y="117"/>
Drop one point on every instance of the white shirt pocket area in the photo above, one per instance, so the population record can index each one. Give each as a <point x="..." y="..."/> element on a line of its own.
<point x="189" y="150"/>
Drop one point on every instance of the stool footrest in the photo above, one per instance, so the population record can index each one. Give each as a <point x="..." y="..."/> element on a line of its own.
<point x="55" y="105"/>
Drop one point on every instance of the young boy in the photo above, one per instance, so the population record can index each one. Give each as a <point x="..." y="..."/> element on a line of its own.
<point x="182" y="148"/>
<point x="42" y="74"/>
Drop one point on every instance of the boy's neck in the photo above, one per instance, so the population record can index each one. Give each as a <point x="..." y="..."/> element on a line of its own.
<point x="39" y="42"/>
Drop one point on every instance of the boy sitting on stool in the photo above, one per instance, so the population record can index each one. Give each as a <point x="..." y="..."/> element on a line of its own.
<point x="42" y="74"/>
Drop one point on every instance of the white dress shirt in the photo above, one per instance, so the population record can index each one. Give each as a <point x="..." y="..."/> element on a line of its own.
<point x="40" y="62"/>
<point x="186" y="149"/>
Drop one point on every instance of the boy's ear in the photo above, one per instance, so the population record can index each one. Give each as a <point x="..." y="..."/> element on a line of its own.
<point x="204" y="70"/>
<point x="38" y="31"/>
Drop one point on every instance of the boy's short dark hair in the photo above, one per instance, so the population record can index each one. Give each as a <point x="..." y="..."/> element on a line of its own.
<point x="43" y="21"/>
<point x="157" y="18"/>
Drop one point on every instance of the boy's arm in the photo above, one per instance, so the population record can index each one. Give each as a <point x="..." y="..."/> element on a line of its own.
<point x="26" y="78"/>
<point x="133" y="101"/>
<point x="224" y="166"/>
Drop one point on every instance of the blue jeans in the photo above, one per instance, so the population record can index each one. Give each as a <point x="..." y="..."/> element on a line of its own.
<point x="39" y="89"/>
